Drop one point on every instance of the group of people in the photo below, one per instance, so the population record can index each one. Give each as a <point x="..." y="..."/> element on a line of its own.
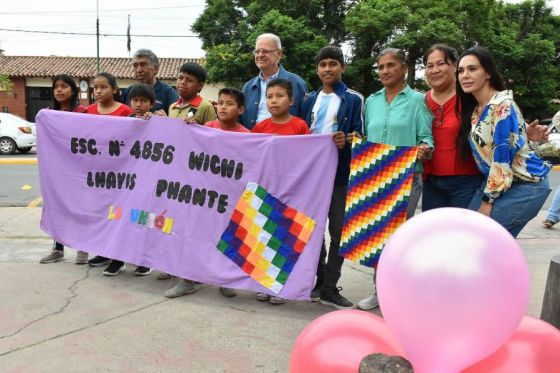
<point x="473" y="149"/>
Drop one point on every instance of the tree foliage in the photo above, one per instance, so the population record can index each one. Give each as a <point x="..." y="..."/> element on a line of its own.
<point x="524" y="37"/>
<point x="6" y="85"/>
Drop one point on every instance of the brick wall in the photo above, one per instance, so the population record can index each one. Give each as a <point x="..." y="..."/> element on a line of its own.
<point x="16" y="101"/>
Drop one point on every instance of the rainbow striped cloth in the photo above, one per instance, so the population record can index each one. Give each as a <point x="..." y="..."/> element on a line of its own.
<point x="265" y="237"/>
<point x="377" y="198"/>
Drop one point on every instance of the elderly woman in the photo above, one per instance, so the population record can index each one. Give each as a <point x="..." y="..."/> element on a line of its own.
<point x="397" y="115"/>
<point x="516" y="183"/>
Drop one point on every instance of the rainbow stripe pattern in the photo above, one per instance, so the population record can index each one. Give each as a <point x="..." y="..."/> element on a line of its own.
<point x="377" y="198"/>
<point x="265" y="237"/>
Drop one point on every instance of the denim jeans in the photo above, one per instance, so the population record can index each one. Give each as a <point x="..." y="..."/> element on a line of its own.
<point x="449" y="191"/>
<point x="554" y="210"/>
<point x="516" y="206"/>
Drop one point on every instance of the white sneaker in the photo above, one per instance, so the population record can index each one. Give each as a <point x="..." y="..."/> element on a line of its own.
<point x="182" y="288"/>
<point x="369" y="303"/>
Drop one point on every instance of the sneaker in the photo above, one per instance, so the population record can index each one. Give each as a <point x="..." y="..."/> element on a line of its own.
<point x="98" y="261"/>
<point x="228" y="292"/>
<point x="81" y="257"/>
<point x="142" y="271"/>
<point x="332" y="297"/>
<point x="114" y="268"/>
<point x="548" y="223"/>
<point x="182" y="288"/>
<point x="315" y="294"/>
<point x="263" y="297"/>
<point x="369" y="303"/>
<point x="54" y="256"/>
<point x="164" y="276"/>
<point x="277" y="300"/>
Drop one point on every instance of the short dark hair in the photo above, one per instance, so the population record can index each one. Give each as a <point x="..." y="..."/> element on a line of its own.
<point x="112" y="82"/>
<point x="195" y="70"/>
<point x="330" y="51"/>
<point x="68" y="80"/>
<point x="235" y="93"/>
<point x="286" y="84"/>
<point x="450" y="54"/>
<point x="142" y="90"/>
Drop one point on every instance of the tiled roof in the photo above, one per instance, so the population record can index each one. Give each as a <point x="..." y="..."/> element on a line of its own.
<point x="82" y="67"/>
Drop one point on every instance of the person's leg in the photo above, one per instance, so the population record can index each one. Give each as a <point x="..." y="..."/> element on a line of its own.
<point x="415" y="194"/>
<point x="519" y="204"/>
<point x="553" y="215"/>
<point x="433" y="196"/>
<point x="321" y="270"/>
<point x="462" y="189"/>
<point x="330" y="294"/>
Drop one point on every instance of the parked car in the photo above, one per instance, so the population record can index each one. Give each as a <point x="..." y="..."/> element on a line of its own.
<point x="15" y="134"/>
<point x="550" y="150"/>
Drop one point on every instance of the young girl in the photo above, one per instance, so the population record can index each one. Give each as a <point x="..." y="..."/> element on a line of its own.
<point x="65" y="98"/>
<point x="107" y="97"/>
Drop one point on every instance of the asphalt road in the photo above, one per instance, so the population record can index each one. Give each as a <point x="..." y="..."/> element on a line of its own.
<point x="19" y="184"/>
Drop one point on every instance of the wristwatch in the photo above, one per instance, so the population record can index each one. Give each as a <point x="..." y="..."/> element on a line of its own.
<point x="488" y="199"/>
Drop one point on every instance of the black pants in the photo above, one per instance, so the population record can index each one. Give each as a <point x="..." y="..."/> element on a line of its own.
<point x="58" y="246"/>
<point x="328" y="273"/>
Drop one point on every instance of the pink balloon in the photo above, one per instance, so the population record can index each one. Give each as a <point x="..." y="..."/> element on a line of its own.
<point x="453" y="286"/>
<point x="338" y="341"/>
<point x="534" y="347"/>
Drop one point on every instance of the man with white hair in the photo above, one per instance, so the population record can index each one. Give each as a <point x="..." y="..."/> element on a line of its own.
<point x="268" y="51"/>
<point x="146" y="66"/>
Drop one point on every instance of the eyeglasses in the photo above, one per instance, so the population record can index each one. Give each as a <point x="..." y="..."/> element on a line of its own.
<point x="439" y="116"/>
<point x="264" y="51"/>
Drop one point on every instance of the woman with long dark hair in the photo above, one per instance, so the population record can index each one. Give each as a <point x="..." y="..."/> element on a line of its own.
<point x="492" y="127"/>
<point x="65" y="98"/>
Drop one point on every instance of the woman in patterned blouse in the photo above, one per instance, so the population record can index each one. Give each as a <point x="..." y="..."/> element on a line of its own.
<point x="516" y="183"/>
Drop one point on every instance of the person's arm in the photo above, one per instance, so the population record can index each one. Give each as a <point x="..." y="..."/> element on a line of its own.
<point x="356" y="120"/>
<point x="424" y="137"/>
<point x="500" y="175"/>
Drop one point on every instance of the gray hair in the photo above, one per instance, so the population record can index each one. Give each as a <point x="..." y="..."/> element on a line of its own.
<point x="273" y="37"/>
<point x="151" y="56"/>
<point x="395" y="52"/>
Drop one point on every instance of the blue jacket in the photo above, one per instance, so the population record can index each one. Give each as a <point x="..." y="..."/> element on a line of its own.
<point x="252" y="92"/>
<point x="165" y="96"/>
<point x="350" y="119"/>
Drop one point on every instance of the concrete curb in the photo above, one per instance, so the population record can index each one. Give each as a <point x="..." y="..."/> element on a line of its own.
<point x="33" y="161"/>
<point x="19" y="161"/>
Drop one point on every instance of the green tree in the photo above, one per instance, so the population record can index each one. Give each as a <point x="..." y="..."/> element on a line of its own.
<point x="228" y="29"/>
<point x="6" y="83"/>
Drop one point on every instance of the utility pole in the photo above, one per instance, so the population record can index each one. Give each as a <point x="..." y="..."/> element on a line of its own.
<point x="97" y="24"/>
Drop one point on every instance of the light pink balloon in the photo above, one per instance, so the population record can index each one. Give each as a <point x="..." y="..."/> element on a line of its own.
<point x="453" y="285"/>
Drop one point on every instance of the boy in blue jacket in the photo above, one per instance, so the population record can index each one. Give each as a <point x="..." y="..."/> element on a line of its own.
<point x="337" y="110"/>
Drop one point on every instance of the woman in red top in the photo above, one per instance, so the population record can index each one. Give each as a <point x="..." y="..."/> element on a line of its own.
<point x="65" y="98"/>
<point x="450" y="179"/>
<point x="107" y="96"/>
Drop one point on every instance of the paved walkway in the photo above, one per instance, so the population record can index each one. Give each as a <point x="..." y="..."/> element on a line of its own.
<point x="62" y="317"/>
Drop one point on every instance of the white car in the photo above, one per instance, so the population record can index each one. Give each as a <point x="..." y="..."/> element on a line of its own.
<point x="15" y="134"/>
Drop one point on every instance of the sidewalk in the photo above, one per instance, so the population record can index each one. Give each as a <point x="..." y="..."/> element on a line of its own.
<point x="62" y="317"/>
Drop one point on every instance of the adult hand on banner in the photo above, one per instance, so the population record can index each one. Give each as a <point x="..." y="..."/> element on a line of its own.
<point x="338" y="341"/>
<point x="453" y="286"/>
<point x="534" y="347"/>
<point x="424" y="151"/>
<point x="350" y="136"/>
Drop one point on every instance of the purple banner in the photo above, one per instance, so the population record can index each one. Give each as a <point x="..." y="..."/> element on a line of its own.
<point x="167" y="195"/>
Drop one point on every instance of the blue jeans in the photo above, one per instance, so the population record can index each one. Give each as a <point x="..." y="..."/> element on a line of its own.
<point x="449" y="191"/>
<point x="554" y="210"/>
<point x="516" y="206"/>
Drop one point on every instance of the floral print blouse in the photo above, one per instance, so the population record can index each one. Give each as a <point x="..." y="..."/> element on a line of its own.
<point x="499" y="144"/>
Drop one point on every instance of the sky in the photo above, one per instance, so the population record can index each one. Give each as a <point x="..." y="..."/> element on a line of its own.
<point x="165" y="19"/>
